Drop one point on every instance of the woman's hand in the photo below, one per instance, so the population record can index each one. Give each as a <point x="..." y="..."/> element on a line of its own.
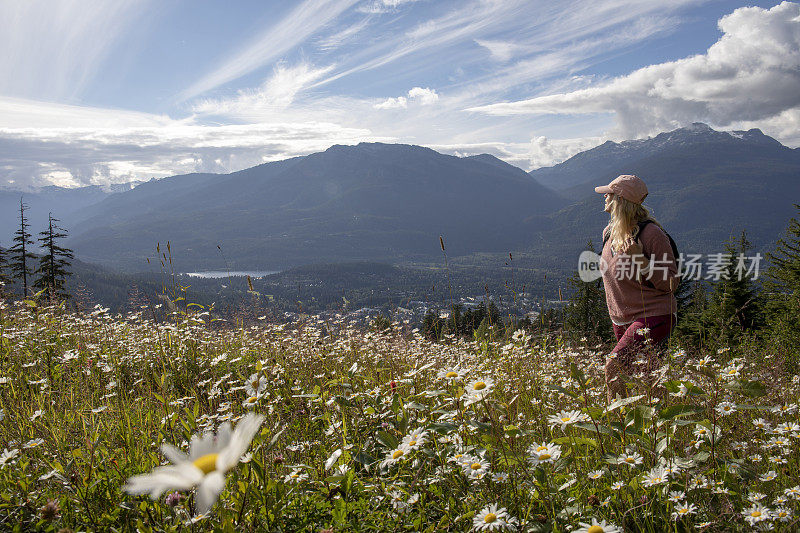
<point x="631" y="247"/>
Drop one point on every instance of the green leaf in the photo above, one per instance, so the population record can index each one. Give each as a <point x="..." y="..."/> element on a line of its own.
<point x="679" y="410"/>
<point x="388" y="440"/>
<point x="753" y="389"/>
<point x="562" y="390"/>
<point x="577" y="374"/>
<point x="482" y="426"/>
<point x="444" y="427"/>
<point x="590" y="427"/>
<point x="623" y="402"/>
<point x="364" y="458"/>
<point x="576" y="440"/>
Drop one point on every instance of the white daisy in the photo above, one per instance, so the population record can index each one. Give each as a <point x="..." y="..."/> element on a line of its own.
<point x="476" y="468"/>
<point x="595" y="474"/>
<point x="400" y="453"/>
<point x="566" y="418"/>
<point x="477" y="390"/>
<point x="8" y="457"/>
<point x="597" y="527"/>
<point x="725" y="408"/>
<point x="210" y="458"/>
<point x="255" y="385"/>
<point x="756" y="513"/>
<point x="630" y="458"/>
<point x="295" y="476"/>
<point x="683" y="509"/>
<point x="543" y="453"/>
<point x="493" y="518"/>
<point x="655" y="476"/>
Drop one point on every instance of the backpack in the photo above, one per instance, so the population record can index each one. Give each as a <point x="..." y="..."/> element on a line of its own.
<point x="641" y="224"/>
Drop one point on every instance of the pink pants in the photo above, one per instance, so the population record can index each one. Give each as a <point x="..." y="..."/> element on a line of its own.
<point x="633" y="341"/>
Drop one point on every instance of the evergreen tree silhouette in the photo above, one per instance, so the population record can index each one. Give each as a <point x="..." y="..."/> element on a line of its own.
<point x="20" y="254"/>
<point x="735" y="305"/>
<point x="55" y="261"/>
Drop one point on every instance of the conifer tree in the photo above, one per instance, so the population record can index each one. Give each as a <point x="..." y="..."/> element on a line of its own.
<point x="53" y="264"/>
<point x="735" y="305"/>
<point x="782" y="288"/>
<point x="20" y="254"/>
<point x="691" y="309"/>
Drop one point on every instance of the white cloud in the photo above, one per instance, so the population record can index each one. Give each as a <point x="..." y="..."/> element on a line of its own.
<point x="546" y="152"/>
<point x="300" y="24"/>
<point x="500" y="50"/>
<point x="336" y="40"/>
<point x="20" y="113"/>
<point x="73" y="145"/>
<point x="749" y="74"/>
<point x="53" y="50"/>
<point x="277" y="92"/>
<point x="422" y="96"/>
<point x="401" y="102"/>
<point x="384" y="6"/>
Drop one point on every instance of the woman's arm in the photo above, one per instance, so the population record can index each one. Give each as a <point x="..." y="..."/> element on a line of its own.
<point x="661" y="266"/>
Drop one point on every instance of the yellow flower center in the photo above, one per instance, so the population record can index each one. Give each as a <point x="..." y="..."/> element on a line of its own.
<point x="629" y="460"/>
<point x="252" y="399"/>
<point x="595" y="529"/>
<point x="475" y="466"/>
<point x="683" y="510"/>
<point x="755" y="514"/>
<point x="207" y="463"/>
<point x="565" y="419"/>
<point x="489" y="518"/>
<point x="451" y="374"/>
<point x="544" y="457"/>
<point x="479" y="385"/>
<point x="540" y="448"/>
<point x="397" y="454"/>
<point x="412" y="443"/>
<point x="295" y="475"/>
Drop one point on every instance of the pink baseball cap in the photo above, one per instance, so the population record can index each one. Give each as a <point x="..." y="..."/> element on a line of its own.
<point x="628" y="186"/>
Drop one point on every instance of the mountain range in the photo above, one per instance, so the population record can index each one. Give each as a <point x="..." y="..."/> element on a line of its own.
<point x="391" y="202"/>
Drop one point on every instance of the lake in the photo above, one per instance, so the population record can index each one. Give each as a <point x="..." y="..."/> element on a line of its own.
<point x="232" y="273"/>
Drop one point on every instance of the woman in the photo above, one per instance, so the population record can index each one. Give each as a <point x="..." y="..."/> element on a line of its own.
<point x="640" y="278"/>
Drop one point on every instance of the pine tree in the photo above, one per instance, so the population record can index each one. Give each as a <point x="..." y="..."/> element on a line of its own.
<point x="735" y="305"/>
<point x="782" y="288"/>
<point x="691" y="310"/>
<point x="586" y="313"/>
<point x="53" y="264"/>
<point x="20" y="254"/>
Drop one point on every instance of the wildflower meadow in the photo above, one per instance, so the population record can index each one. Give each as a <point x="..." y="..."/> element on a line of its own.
<point x="188" y="423"/>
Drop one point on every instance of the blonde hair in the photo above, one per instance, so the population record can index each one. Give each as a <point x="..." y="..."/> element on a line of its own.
<point x="625" y="215"/>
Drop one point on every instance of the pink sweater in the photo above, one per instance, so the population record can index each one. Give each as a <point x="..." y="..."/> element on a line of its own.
<point x="633" y="297"/>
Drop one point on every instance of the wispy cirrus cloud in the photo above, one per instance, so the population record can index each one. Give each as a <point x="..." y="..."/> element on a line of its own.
<point x="298" y="25"/>
<point x="277" y="92"/>
<point x="52" y="50"/>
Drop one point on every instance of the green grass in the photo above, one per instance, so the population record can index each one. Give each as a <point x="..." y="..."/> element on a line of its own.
<point x="88" y="399"/>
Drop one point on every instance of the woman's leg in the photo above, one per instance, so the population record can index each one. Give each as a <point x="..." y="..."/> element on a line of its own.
<point x="641" y="335"/>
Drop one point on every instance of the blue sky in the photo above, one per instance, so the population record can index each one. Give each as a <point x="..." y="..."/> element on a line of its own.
<point x="93" y="91"/>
